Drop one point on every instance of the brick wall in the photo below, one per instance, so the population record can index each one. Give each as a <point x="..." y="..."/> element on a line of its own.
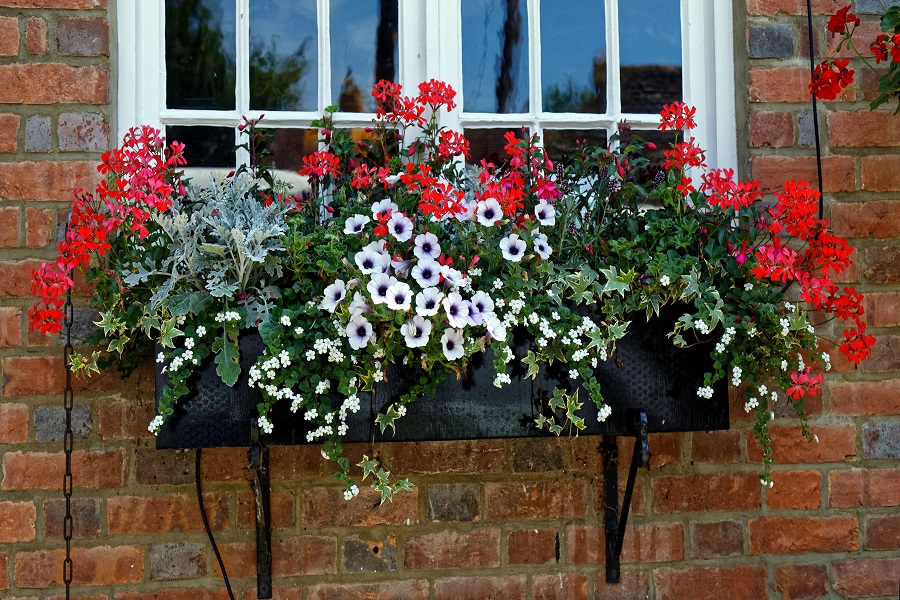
<point x="490" y="519"/>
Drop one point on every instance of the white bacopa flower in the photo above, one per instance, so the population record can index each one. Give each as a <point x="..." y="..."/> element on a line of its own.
<point x="457" y="315"/>
<point x="285" y="320"/>
<point x="427" y="272"/>
<point x="383" y="207"/>
<point x="748" y="286"/>
<point x="573" y="374"/>
<point x="604" y="412"/>
<point x="705" y="392"/>
<point x="400" y="226"/>
<point x="372" y="260"/>
<point x="334" y="295"/>
<point x="416" y="331"/>
<point x="160" y="358"/>
<point x="452" y="344"/>
<point x="265" y="424"/>
<point x="155" y="424"/>
<point x="665" y="281"/>
<point x="545" y="213"/>
<point x="541" y="246"/>
<point x="359" y="332"/>
<point x="512" y="247"/>
<point x="489" y="212"/>
<point x="428" y="302"/>
<point x="399" y="296"/>
<point x="201" y="331"/>
<point x="502" y="378"/>
<point x="378" y="287"/>
<point x="427" y="246"/>
<point x="355" y="224"/>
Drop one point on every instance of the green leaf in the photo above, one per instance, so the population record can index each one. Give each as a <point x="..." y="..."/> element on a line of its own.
<point x="368" y="466"/>
<point x="613" y="283"/>
<point x="228" y="365"/>
<point x="387" y="419"/>
<point x="533" y="365"/>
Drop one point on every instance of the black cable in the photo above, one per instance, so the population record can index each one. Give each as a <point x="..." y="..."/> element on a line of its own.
<point x="208" y="530"/>
<point x="815" y="110"/>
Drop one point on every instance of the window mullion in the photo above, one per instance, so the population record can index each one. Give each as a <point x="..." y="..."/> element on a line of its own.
<point x="324" y="23"/>
<point x="242" y="80"/>
<point x="535" y="94"/>
<point x="613" y="72"/>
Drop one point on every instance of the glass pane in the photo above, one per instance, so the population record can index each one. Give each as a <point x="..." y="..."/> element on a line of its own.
<point x="561" y="144"/>
<point x="207" y="147"/>
<point x="573" y="56"/>
<point x="663" y="141"/>
<point x="495" y="56"/>
<point x="488" y="144"/>
<point x="363" y="51"/>
<point x="283" y="55"/>
<point x="200" y="54"/>
<point x="650" y="51"/>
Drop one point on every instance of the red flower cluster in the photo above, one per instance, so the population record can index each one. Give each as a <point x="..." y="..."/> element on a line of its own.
<point x="320" y="165"/>
<point x="839" y="22"/>
<point x="723" y="191"/>
<point x="881" y="50"/>
<point x="831" y="78"/>
<point x="684" y="154"/>
<point x="677" y="116"/>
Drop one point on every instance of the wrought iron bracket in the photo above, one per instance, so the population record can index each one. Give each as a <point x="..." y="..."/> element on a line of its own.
<point x="617" y="520"/>
<point x="258" y="455"/>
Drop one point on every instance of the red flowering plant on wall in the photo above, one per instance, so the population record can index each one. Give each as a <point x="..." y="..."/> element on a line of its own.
<point x="832" y="76"/>
<point x="403" y="254"/>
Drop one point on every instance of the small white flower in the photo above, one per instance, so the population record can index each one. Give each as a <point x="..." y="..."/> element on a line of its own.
<point x="285" y="320"/>
<point x="748" y="286"/>
<point x="665" y="281"/>
<point x="189" y="343"/>
<point x="604" y="412"/>
<point x="573" y="374"/>
<point x="705" y="392"/>
<point x="160" y="358"/>
<point x="265" y="424"/>
<point x="155" y="424"/>
<point x="298" y="331"/>
<point x="201" y="331"/>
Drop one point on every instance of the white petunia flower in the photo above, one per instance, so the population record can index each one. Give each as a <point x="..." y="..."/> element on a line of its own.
<point x="399" y="296"/>
<point x="355" y="225"/>
<point x="428" y="302"/>
<point x="427" y="272"/>
<point x="452" y="344"/>
<point x="489" y="212"/>
<point x="452" y="277"/>
<point x="372" y="260"/>
<point x="416" y="331"/>
<point x="359" y="332"/>
<point x="378" y="287"/>
<point x="545" y="213"/>
<point x="457" y="315"/>
<point x="383" y="207"/>
<point x="400" y="226"/>
<point x="334" y="295"/>
<point x="541" y="246"/>
<point x="512" y="247"/>
<point x="427" y="246"/>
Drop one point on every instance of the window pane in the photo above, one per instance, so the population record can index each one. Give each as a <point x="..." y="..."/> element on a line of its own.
<point x="363" y="51"/>
<point x="208" y="147"/>
<point x="663" y="141"/>
<point x="573" y="56"/>
<point x="488" y="144"/>
<point x="495" y="56"/>
<point x="200" y="54"/>
<point x="650" y="51"/>
<point x="561" y="144"/>
<point x="283" y="55"/>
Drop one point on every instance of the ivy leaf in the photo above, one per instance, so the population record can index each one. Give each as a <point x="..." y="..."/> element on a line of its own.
<point x="167" y="332"/>
<point x="613" y="283"/>
<point x="368" y="466"/>
<point x="533" y="366"/>
<point x="693" y="286"/>
<point x="387" y="419"/>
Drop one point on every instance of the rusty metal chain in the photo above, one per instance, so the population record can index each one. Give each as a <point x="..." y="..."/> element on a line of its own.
<point x="68" y="401"/>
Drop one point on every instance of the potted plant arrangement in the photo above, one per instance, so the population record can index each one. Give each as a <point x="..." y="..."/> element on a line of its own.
<point x="402" y="256"/>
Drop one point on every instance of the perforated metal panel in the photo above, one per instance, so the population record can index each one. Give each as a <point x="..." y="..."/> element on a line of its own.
<point x="647" y="372"/>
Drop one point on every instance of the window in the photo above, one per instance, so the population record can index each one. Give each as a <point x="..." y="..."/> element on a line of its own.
<point x="565" y="70"/>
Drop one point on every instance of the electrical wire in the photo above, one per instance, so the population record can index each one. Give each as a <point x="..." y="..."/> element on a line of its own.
<point x="208" y="530"/>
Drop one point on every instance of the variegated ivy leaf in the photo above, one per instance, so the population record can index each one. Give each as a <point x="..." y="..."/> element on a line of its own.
<point x="613" y="283"/>
<point x="387" y="419"/>
<point x="534" y="366"/>
<point x="368" y="466"/>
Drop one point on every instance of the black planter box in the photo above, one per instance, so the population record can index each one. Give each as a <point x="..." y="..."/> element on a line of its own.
<point x="647" y="372"/>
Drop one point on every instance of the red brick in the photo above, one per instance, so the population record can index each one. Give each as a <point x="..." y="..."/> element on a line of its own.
<point x="883" y="309"/>
<point x="45" y="180"/>
<point x="744" y="582"/>
<point x="278" y="592"/>
<point x="9" y="227"/>
<point x="104" y="565"/>
<point x="860" y="487"/>
<point x="226" y="464"/>
<point x="584" y="545"/>
<point x="293" y="462"/>
<point x="862" y="398"/>
<point x="836" y="443"/>
<point x="773" y="129"/>
<point x="883" y="533"/>
<point x="479" y="588"/>
<point x="239" y="559"/>
<point x="13" y="423"/>
<point x="172" y="512"/>
<point x="44" y="470"/>
<point x="863" y="129"/>
<point x="326" y="507"/>
<point x="36" y="36"/>
<point x="560" y="586"/>
<point x="467" y="456"/>
<point x="801" y="582"/>
<point x="632" y="586"/>
<point x="15" y="279"/>
<point x="53" y="83"/>
<point x="872" y="577"/>
<point x="126" y="420"/>
<point x="881" y="173"/>
<point x="17" y="521"/>
<point x="791" y="7"/>
<point x="799" y="490"/>
<point x="82" y="37"/>
<point x="638" y="497"/>
<point x="305" y="555"/>
<point x="393" y="590"/>
<point x="838" y="172"/>
<point x="532" y="546"/>
<point x="453" y="549"/>
<point x="866" y="219"/>
<point x="586" y="453"/>
<point x="175" y="594"/>
<point x="9" y="132"/>
<point x="63" y="4"/>
<point x="716" y="539"/>
<point x="4" y="569"/>
<point x="690" y="493"/>
<point x="536" y="500"/>
<point x="281" y="504"/>
<point x="38" y="228"/>
<point x="653" y="543"/>
<point x="784" y="84"/>
<point x="716" y="446"/>
<point x="799" y="535"/>
<point x="9" y="36"/>
<point x="46" y="376"/>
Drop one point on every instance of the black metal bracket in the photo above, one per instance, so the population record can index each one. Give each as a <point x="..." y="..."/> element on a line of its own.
<point x="616" y="522"/>
<point x="258" y="455"/>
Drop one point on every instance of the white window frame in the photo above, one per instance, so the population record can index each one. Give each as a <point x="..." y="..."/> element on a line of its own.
<point x="428" y="48"/>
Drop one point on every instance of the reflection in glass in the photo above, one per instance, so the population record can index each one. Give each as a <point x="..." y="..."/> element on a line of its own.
<point x="200" y="54"/>
<point x="561" y="144"/>
<point x="495" y="56"/>
<point x="363" y="51"/>
<point x="663" y="141"/>
<point x="573" y="56"/>
<point x="209" y="147"/>
<point x="283" y="55"/>
<point x="650" y="54"/>
<point x="488" y="144"/>
<point x="287" y="147"/>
